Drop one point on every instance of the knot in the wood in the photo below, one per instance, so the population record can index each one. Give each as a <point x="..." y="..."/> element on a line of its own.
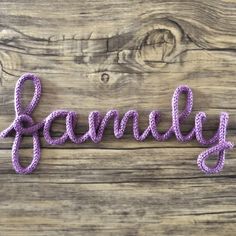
<point x="157" y="45"/>
<point x="105" y="77"/>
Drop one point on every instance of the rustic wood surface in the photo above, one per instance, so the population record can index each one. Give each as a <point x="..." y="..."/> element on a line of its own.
<point x="99" y="55"/>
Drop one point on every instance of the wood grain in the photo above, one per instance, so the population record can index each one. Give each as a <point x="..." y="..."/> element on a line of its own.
<point x="99" y="55"/>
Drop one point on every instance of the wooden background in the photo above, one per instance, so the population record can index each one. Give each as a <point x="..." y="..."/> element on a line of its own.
<point x="99" y="55"/>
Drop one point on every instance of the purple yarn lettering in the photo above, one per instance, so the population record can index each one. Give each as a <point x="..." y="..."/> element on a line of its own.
<point x="23" y="124"/>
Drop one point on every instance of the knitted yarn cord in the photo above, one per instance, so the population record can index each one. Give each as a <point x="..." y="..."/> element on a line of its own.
<point x="23" y="124"/>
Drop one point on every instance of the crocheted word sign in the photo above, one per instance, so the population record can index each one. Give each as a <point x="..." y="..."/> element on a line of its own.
<point x="23" y="124"/>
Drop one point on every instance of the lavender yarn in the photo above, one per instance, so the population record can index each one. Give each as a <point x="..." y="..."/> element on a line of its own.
<point x="97" y="125"/>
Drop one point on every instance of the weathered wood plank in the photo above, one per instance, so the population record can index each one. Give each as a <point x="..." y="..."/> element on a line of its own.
<point x="122" y="209"/>
<point x="81" y="87"/>
<point x="69" y="193"/>
<point x="99" y="55"/>
<point x="113" y="165"/>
